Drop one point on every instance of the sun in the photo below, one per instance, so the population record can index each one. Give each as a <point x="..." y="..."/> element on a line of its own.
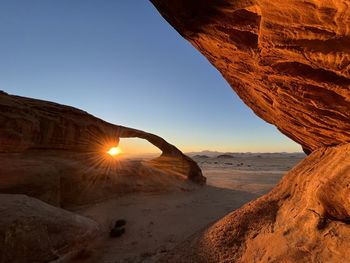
<point x="114" y="151"/>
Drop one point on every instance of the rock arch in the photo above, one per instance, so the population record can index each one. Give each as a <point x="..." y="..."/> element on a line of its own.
<point x="30" y="124"/>
<point x="169" y="152"/>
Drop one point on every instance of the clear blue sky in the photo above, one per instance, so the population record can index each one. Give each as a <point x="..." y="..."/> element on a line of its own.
<point x="122" y="62"/>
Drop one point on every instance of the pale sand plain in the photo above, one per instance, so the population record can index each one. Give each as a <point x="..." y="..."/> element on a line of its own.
<point x="158" y="221"/>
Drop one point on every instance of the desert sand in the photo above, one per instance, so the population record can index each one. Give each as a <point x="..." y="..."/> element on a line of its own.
<point x="159" y="221"/>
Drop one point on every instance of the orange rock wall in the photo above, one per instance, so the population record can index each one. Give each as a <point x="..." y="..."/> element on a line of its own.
<point x="289" y="61"/>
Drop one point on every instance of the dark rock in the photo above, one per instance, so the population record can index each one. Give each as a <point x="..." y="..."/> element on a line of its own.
<point x="116" y="232"/>
<point x="119" y="223"/>
<point x="33" y="231"/>
<point x="223" y="156"/>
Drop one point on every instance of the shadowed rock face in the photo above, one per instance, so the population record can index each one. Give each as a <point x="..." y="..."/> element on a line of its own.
<point x="33" y="231"/>
<point x="58" y="154"/>
<point x="289" y="61"/>
<point x="29" y="124"/>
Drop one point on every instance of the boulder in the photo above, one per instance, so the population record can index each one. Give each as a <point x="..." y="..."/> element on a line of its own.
<point x="33" y="231"/>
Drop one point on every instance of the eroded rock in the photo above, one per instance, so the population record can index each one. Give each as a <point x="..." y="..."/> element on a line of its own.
<point x="288" y="61"/>
<point x="33" y="231"/>
<point x="305" y="218"/>
<point x="58" y="154"/>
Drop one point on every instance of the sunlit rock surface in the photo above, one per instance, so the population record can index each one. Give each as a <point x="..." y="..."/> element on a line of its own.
<point x="33" y="231"/>
<point x="305" y="218"/>
<point x="59" y="154"/>
<point x="289" y="60"/>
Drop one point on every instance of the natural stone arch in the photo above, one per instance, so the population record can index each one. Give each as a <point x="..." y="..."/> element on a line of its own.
<point x="166" y="148"/>
<point x="30" y="124"/>
<point x="139" y="148"/>
<point x="169" y="152"/>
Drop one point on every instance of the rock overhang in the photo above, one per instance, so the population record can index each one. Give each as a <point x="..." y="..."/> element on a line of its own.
<point x="288" y="61"/>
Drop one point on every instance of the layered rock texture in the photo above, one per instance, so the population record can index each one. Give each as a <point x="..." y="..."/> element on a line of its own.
<point x="289" y="61"/>
<point x="58" y="154"/>
<point x="305" y="218"/>
<point x="30" y="124"/>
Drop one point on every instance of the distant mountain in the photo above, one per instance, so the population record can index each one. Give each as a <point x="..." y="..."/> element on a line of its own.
<point x="205" y="152"/>
<point x="225" y="156"/>
<point x="218" y="154"/>
<point x="203" y="156"/>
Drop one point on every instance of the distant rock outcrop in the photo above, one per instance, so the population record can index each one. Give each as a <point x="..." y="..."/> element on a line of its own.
<point x="289" y="62"/>
<point x="33" y="231"/>
<point x="201" y="156"/>
<point x="225" y="156"/>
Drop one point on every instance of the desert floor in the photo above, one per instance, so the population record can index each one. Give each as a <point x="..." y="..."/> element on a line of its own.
<point x="159" y="221"/>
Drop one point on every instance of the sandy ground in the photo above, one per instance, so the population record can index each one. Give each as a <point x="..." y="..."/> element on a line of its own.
<point x="157" y="222"/>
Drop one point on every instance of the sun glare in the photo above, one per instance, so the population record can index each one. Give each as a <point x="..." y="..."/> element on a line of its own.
<point x="114" y="151"/>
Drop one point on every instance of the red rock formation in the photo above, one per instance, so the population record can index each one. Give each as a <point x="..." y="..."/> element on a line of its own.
<point x="289" y="61"/>
<point x="57" y="154"/>
<point x="30" y="124"/>
<point x="305" y="218"/>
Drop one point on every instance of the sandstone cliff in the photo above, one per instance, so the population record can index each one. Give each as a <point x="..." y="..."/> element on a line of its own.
<point x="289" y="61"/>
<point x="305" y="218"/>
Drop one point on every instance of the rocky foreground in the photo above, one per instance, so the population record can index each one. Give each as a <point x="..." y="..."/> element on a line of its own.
<point x="289" y="62"/>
